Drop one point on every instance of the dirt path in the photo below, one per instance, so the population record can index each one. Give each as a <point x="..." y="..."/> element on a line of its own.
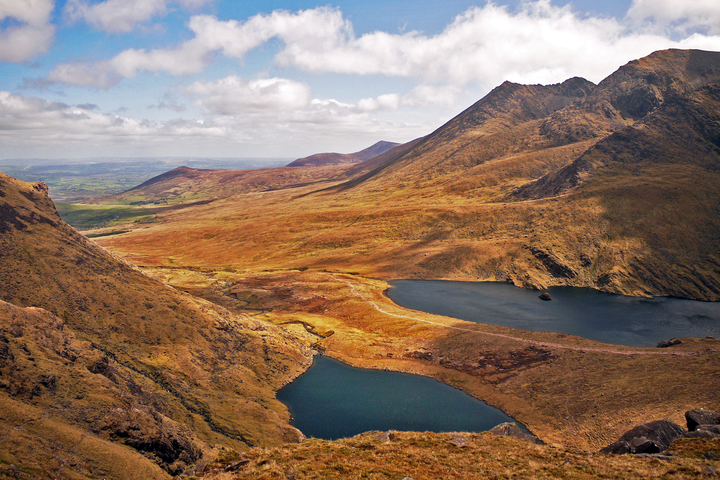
<point x="510" y="337"/>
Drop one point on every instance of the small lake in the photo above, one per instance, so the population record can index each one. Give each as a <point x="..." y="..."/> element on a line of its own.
<point x="584" y="312"/>
<point x="333" y="400"/>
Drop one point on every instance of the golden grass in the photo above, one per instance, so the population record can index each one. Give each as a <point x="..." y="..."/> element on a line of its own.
<point x="433" y="456"/>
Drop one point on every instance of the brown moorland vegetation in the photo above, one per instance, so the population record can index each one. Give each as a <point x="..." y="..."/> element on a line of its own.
<point x="613" y="186"/>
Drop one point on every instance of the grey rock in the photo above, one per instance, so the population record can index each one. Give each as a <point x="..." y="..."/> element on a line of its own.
<point x="706" y="434"/>
<point x="458" y="440"/>
<point x="512" y="430"/>
<point x="651" y="437"/>
<point x="701" y="416"/>
<point x="709" y="428"/>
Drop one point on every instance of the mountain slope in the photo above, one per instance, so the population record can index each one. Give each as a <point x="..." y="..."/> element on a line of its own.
<point x="108" y="351"/>
<point x="322" y="159"/>
<point x="611" y="186"/>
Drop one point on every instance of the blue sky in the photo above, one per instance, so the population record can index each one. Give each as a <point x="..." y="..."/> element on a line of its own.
<point x="215" y="78"/>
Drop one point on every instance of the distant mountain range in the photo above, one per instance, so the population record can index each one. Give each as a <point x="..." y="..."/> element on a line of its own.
<point x="321" y="159"/>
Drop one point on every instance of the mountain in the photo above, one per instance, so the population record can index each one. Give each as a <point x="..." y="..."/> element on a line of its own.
<point x="321" y="159"/>
<point x="93" y="351"/>
<point x="611" y="186"/>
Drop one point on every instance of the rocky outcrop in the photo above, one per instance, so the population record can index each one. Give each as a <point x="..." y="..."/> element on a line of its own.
<point x="701" y="417"/>
<point x="512" y="430"/>
<point x="657" y="436"/>
<point x="651" y="437"/>
<point x="553" y="264"/>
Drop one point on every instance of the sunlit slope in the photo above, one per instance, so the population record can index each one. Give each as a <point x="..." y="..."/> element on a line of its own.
<point x="190" y="185"/>
<point x="118" y="354"/>
<point x="611" y="186"/>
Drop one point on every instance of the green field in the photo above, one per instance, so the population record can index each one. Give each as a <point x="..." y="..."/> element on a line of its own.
<point x="85" y="217"/>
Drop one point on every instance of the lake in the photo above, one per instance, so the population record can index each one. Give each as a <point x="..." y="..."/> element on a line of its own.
<point x="333" y="400"/>
<point x="584" y="312"/>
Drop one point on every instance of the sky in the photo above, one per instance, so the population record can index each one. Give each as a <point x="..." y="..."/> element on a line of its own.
<point x="231" y="78"/>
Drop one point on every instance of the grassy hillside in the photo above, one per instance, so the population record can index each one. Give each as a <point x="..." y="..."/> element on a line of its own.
<point x="119" y="355"/>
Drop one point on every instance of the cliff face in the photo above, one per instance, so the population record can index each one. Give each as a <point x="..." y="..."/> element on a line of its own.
<point x="97" y="348"/>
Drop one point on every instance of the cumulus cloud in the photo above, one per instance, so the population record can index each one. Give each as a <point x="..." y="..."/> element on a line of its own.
<point x="539" y="43"/>
<point x="234" y="95"/>
<point x="33" y="35"/>
<point x="100" y="75"/>
<point x="390" y="101"/>
<point x="120" y="16"/>
<point x="703" y="15"/>
<point x="29" y="124"/>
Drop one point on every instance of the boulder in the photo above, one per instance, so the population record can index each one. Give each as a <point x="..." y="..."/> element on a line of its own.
<point x="700" y="433"/>
<point x="512" y="430"/>
<point x="709" y="428"/>
<point x="669" y="343"/>
<point x="458" y="440"/>
<point x="651" y="437"/>
<point x="545" y="296"/>
<point x="701" y="416"/>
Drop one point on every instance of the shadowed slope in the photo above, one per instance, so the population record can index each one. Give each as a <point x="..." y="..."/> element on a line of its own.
<point x="151" y="357"/>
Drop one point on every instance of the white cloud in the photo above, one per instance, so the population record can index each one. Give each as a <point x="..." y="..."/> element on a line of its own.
<point x="233" y="95"/>
<point x="20" y="43"/>
<point x="30" y="122"/>
<point x="703" y="15"/>
<point x="100" y="75"/>
<point x="539" y="43"/>
<point x="390" y="101"/>
<point x="423" y="95"/>
<point x="33" y="12"/>
<point x="31" y="126"/>
<point x="121" y="16"/>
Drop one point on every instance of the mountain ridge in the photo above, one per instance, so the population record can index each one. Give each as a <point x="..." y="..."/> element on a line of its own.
<point x="323" y="159"/>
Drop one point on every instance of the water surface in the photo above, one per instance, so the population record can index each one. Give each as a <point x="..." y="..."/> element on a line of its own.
<point x="584" y="312"/>
<point x="334" y="400"/>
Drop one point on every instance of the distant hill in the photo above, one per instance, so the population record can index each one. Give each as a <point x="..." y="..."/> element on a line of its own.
<point x="321" y="159"/>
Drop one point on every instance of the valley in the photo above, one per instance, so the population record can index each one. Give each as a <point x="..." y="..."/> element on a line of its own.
<point x="164" y="339"/>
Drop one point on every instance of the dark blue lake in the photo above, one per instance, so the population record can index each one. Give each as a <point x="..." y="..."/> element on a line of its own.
<point x="583" y="312"/>
<point x="334" y="400"/>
